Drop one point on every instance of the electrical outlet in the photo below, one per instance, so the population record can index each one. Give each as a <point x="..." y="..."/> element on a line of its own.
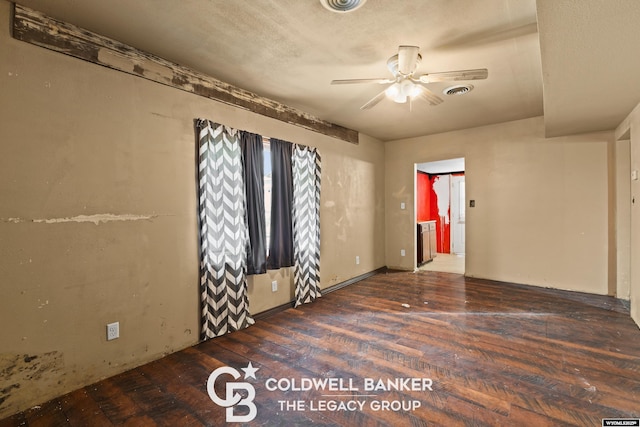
<point x="113" y="331"/>
<point x="274" y="286"/>
<point x="402" y="252"/>
<point x="357" y="260"/>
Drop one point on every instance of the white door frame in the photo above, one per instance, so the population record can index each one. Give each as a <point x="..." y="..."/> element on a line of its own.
<point x="457" y="214"/>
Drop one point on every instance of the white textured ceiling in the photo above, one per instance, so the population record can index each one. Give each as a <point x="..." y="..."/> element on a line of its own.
<point x="290" y="50"/>
<point x="590" y="62"/>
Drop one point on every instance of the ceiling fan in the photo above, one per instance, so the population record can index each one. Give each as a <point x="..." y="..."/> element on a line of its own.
<point x="405" y="86"/>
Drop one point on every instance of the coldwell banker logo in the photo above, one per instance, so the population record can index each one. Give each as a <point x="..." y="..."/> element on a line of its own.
<point x="233" y="399"/>
<point x="226" y="389"/>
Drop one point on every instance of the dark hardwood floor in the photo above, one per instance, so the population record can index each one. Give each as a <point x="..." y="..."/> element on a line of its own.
<point x="497" y="354"/>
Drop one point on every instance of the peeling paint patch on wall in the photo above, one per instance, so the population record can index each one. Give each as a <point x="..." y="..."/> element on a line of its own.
<point x="96" y="219"/>
<point x="13" y="220"/>
<point x="433" y="203"/>
<point x="21" y="370"/>
<point x="441" y="185"/>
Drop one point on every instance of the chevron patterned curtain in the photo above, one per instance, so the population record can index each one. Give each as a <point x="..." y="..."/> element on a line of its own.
<point x="223" y="231"/>
<point x="306" y="223"/>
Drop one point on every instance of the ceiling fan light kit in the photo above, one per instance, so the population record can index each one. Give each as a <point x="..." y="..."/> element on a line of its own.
<point x="342" y="6"/>
<point x="402" y="91"/>
<point x="405" y="86"/>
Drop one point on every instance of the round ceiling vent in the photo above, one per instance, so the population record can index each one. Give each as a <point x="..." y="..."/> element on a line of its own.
<point x="342" y="6"/>
<point x="458" y="90"/>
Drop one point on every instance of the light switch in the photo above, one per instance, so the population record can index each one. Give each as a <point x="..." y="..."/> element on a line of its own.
<point x="634" y="175"/>
<point x="402" y="205"/>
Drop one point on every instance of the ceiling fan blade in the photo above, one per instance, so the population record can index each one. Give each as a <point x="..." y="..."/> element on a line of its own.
<point x="429" y="96"/>
<point x="373" y="101"/>
<point x="447" y="76"/>
<point x="407" y="59"/>
<point x="355" y="81"/>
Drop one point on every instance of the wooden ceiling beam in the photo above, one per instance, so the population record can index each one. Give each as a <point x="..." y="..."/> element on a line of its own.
<point x="41" y="30"/>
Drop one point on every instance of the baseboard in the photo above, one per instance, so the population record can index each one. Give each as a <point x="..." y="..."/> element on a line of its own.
<point x="275" y="310"/>
<point x="353" y="280"/>
<point x="290" y="304"/>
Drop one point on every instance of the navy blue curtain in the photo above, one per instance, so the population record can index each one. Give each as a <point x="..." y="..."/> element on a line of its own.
<point x="253" y="163"/>
<point x="281" y="244"/>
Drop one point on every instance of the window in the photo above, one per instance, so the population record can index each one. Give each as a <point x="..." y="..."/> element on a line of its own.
<point x="267" y="189"/>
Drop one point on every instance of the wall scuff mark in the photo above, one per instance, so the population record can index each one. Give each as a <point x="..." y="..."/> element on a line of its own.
<point x="95" y="219"/>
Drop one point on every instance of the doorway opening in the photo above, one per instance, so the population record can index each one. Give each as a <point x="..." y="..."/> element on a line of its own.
<point x="440" y="212"/>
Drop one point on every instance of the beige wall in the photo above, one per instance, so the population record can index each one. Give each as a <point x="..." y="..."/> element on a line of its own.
<point x="98" y="218"/>
<point x="541" y="204"/>
<point x="629" y="157"/>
